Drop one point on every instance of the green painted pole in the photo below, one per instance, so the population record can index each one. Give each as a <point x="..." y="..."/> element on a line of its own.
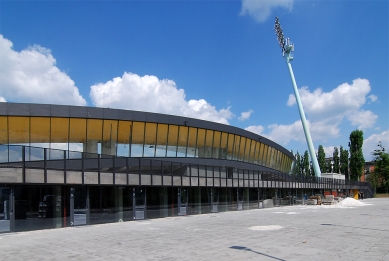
<point x="287" y="51"/>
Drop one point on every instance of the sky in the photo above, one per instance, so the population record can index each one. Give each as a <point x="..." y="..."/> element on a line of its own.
<point x="213" y="60"/>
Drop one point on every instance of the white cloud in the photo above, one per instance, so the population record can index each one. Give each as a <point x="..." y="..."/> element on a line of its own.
<point x="148" y="93"/>
<point x="260" y="10"/>
<point x="362" y="119"/>
<point x="329" y="151"/>
<point x="245" y="115"/>
<point x="31" y="76"/>
<point x="2" y="99"/>
<point x="341" y="100"/>
<point x="326" y="110"/>
<point x="256" y="129"/>
<point x="372" y="98"/>
<point x="370" y="144"/>
<point x="283" y="134"/>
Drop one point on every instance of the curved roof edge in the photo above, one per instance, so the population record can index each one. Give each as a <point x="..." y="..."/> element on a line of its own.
<point x="72" y="111"/>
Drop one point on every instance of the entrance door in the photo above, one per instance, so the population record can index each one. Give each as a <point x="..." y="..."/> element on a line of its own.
<point x="5" y="209"/>
<point x="139" y="203"/>
<point x="214" y="200"/>
<point x="239" y="197"/>
<point x="260" y="198"/>
<point x="182" y="201"/>
<point x="78" y="206"/>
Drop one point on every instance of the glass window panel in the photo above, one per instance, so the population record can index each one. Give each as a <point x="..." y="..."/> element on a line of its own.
<point x="223" y="172"/>
<point x="124" y="133"/>
<point x="94" y="130"/>
<point x="264" y="157"/>
<point x="77" y="134"/>
<point x="240" y="171"/>
<point x="208" y="144"/>
<point x="247" y="150"/>
<point x="77" y="130"/>
<point x="216" y="172"/>
<point x="209" y="171"/>
<point x="235" y="173"/>
<point x="161" y="140"/>
<point x="182" y="141"/>
<point x="230" y="150"/>
<point x="3" y="130"/>
<point x="59" y="130"/>
<point x="283" y="163"/>
<point x="110" y="130"/>
<point x="150" y="139"/>
<point x="94" y="134"/>
<point x="223" y="146"/>
<point x="202" y="171"/>
<point x="259" y="153"/>
<point x="192" y="141"/>
<point x="40" y="129"/>
<point x="252" y="151"/>
<point x="172" y="141"/>
<point x="137" y="138"/>
<point x="275" y="158"/>
<point x="242" y="148"/>
<point x="270" y="157"/>
<point x="19" y="128"/>
<point x="246" y="174"/>
<point x="200" y="142"/>
<point x="216" y="151"/>
<point x="236" y="147"/>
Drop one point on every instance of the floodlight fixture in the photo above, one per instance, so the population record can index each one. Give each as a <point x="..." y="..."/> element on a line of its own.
<point x="287" y="48"/>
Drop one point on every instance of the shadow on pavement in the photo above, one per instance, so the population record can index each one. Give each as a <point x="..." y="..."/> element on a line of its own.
<point x="259" y="253"/>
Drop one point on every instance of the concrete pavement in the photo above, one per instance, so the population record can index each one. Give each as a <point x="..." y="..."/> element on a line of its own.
<point x="281" y="233"/>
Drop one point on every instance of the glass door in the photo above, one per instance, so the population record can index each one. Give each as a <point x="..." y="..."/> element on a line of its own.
<point x="5" y="218"/>
<point x="239" y="196"/>
<point x="214" y="200"/>
<point x="139" y="203"/>
<point x="182" y="201"/>
<point x="78" y="206"/>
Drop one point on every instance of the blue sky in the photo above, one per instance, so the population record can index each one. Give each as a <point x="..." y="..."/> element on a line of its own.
<point x="213" y="60"/>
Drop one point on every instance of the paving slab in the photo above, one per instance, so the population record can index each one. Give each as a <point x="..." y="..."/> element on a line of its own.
<point x="281" y="233"/>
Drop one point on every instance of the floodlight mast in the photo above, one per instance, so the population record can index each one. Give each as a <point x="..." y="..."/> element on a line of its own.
<point x="287" y="52"/>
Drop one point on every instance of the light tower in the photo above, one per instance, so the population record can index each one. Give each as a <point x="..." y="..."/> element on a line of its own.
<point x="287" y="52"/>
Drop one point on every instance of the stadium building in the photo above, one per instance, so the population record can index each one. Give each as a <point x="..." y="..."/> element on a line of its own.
<point x="69" y="165"/>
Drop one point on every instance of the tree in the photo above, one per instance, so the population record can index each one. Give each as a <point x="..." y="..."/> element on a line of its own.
<point x="380" y="175"/>
<point x="305" y="164"/>
<point x="296" y="170"/>
<point x="321" y="158"/>
<point x="335" y="157"/>
<point x="344" y="162"/>
<point x="357" y="161"/>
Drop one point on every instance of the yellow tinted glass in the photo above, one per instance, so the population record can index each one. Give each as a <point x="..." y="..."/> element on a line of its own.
<point x="124" y="132"/>
<point x="3" y="130"/>
<point x="19" y="128"/>
<point x="77" y="130"/>
<point x="59" y="130"/>
<point x="94" y="129"/>
<point x="40" y="129"/>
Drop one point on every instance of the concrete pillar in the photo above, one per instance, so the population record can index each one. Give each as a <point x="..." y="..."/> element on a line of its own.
<point x="91" y="147"/>
<point x="108" y="147"/>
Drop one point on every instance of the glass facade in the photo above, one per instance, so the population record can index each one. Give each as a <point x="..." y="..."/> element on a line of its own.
<point x="72" y="171"/>
<point x="138" y="139"/>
